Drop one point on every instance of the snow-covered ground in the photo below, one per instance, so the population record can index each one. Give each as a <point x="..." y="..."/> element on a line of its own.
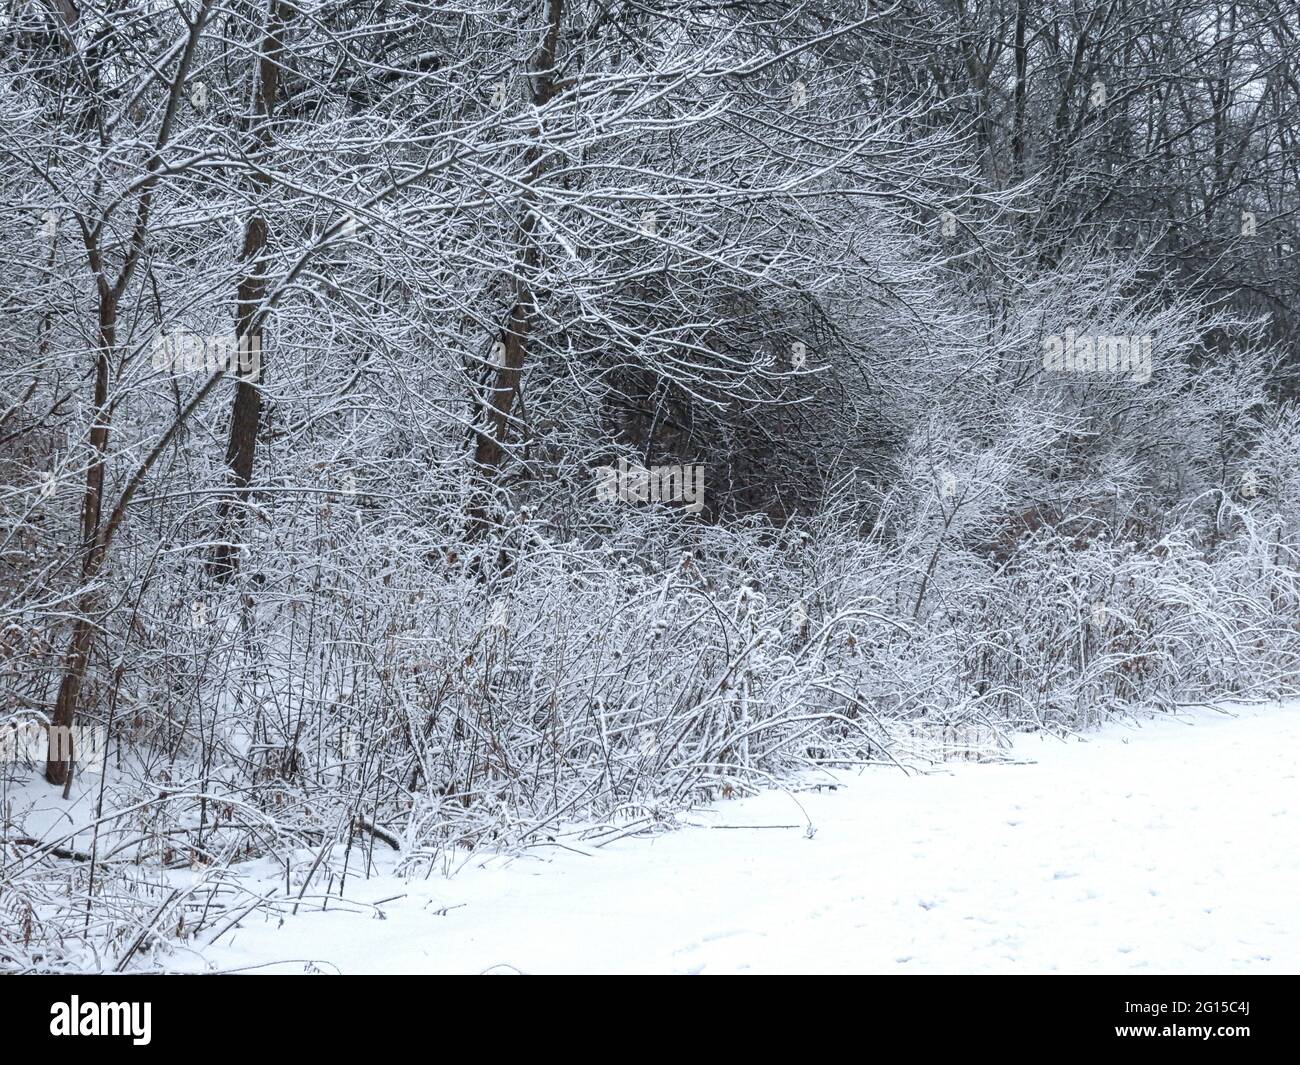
<point x="1173" y="846"/>
<point x="1169" y="846"/>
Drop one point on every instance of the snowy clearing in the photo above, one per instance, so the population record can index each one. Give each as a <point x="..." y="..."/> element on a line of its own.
<point x="1169" y="846"/>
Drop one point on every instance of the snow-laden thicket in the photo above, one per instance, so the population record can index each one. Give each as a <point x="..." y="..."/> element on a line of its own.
<point x="368" y="594"/>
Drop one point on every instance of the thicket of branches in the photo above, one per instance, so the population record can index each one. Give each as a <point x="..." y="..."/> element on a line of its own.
<point x="365" y="593"/>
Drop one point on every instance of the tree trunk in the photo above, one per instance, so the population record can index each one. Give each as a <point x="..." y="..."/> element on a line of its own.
<point x="58" y="764"/>
<point x="494" y="408"/>
<point x="246" y="408"/>
<point x="95" y="536"/>
<point x="1022" y="67"/>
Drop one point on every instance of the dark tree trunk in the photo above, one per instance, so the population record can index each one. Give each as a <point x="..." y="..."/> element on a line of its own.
<point x="246" y="408"/>
<point x="495" y="407"/>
